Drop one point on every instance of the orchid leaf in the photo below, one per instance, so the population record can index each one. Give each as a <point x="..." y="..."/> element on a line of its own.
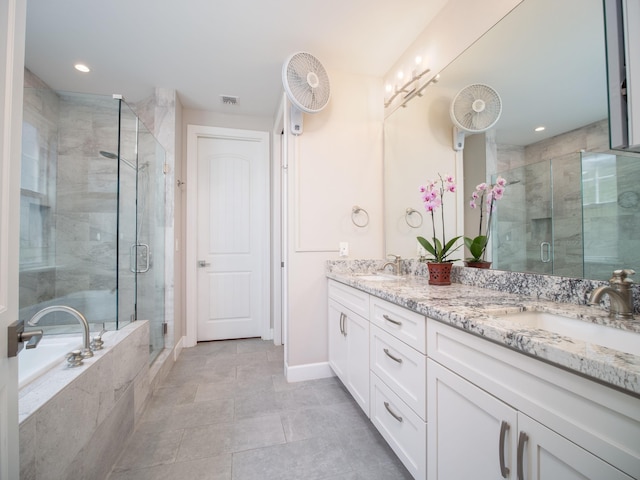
<point x="476" y="245"/>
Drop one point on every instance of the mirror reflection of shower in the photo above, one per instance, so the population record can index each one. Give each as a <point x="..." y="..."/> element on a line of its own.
<point x="114" y="156"/>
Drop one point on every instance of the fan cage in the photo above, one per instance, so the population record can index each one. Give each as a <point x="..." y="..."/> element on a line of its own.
<point x="306" y="82"/>
<point x="475" y="120"/>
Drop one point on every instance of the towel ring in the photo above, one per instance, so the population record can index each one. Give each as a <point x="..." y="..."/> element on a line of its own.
<point x="354" y="213"/>
<point x="407" y="217"/>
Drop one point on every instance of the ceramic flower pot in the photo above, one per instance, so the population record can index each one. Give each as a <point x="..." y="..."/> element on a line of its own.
<point x="477" y="264"/>
<point x="439" y="273"/>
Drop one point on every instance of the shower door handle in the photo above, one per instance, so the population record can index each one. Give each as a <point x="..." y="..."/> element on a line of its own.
<point x="545" y="252"/>
<point x="140" y="258"/>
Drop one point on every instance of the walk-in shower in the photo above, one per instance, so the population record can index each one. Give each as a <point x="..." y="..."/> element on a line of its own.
<point x="92" y="214"/>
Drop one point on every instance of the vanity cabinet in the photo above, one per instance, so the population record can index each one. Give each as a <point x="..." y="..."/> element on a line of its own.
<point x="349" y="340"/>
<point x="398" y="364"/>
<point x="495" y="413"/>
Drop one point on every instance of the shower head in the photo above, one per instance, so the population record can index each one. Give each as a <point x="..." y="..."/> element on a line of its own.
<point x="113" y="156"/>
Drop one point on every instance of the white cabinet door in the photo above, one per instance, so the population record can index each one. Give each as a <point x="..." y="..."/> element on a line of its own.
<point x="349" y="351"/>
<point x="337" y="340"/>
<point x="545" y="455"/>
<point x="471" y="434"/>
<point x="357" y="334"/>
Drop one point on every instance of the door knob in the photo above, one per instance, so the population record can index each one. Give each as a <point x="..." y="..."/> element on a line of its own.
<point x="203" y="263"/>
<point x="17" y="337"/>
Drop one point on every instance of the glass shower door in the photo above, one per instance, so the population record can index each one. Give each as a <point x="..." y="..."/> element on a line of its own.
<point x="127" y="199"/>
<point x="148" y="252"/>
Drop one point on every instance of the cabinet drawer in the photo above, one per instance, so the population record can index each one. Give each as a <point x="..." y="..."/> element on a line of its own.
<point x="403" y="430"/>
<point x="408" y="326"/>
<point x="401" y="367"/>
<point x="351" y="298"/>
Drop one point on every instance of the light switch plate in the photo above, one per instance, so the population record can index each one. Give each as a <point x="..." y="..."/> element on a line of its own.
<point x="344" y="249"/>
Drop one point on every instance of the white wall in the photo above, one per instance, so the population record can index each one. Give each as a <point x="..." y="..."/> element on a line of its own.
<point x="335" y="164"/>
<point x="338" y="163"/>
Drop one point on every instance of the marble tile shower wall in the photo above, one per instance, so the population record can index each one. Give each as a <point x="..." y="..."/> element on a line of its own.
<point x="41" y="107"/>
<point x="86" y="218"/>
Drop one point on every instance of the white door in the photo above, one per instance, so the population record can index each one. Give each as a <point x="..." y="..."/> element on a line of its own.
<point x="232" y="236"/>
<point x="12" y="26"/>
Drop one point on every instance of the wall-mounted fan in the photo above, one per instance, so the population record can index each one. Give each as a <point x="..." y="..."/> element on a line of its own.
<point x="476" y="108"/>
<point x="307" y="85"/>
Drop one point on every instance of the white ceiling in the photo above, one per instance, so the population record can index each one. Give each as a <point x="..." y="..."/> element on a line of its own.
<point x="207" y="48"/>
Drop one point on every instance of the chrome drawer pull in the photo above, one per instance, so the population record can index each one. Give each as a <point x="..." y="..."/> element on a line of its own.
<point x="504" y="428"/>
<point x="522" y="440"/>
<point x="389" y="319"/>
<point x="392" y="413"/>
<point x="395" y="359"/>
<point x="342" y="317"/>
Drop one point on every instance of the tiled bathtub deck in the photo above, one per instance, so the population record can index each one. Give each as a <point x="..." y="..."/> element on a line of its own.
<point x="226" y="412"/>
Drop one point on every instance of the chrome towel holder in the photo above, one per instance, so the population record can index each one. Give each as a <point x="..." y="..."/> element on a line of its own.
<point x="407" y="217"/>
<point x="356" y="214"/>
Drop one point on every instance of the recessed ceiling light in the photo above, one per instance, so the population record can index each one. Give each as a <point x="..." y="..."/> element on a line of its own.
<point x="539" y="129"/>
<point x="81" y="67"/>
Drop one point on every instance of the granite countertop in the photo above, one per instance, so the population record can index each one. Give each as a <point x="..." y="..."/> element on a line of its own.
<point x="477" y="310"/>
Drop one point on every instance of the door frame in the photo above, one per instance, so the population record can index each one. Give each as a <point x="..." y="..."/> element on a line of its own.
<point x="195" y="132"/>
<point x="12" y="45"/>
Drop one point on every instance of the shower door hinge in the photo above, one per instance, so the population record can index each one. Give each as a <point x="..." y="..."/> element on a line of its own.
<point x="165" y="168"/>
<point x="165" y="328"/>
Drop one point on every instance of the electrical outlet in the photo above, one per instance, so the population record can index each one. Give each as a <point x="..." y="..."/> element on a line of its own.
<point x="344" y="249"/>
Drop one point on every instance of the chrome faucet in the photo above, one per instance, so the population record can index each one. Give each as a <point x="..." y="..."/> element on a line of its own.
<point x="86" y="352"/>
<point x="396" y="264"/>
<point x="620" y="294"/>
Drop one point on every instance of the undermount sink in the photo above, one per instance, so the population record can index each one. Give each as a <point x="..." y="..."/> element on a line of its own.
<point x="378" y="277"/>
<point x="615" y="338"/>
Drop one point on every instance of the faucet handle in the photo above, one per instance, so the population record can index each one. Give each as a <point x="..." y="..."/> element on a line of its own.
<point x="396" y="258"/>
<point x="620" y="276"/>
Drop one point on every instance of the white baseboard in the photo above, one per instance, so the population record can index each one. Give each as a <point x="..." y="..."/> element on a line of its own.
<point x="178" y="348"/>
<point x="269" y="335"/>
<point x="310" y="371"/>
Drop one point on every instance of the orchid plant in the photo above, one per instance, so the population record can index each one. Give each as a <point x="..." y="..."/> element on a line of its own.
<point x="432" y="197"/>
<point x="484" y="196"/>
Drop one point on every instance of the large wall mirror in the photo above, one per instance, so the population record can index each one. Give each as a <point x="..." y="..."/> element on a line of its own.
<point x="571" y="206"/>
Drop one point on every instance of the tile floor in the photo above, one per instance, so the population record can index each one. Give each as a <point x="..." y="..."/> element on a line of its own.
<point x="225" y="411"/>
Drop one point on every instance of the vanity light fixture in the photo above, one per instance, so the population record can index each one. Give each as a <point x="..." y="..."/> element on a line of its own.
<point x="408" y="87"/>
<point x="81" y="67"/>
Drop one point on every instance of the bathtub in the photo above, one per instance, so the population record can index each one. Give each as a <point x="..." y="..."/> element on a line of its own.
<point x="51" y="352"/>
<point x="74" y="421"/>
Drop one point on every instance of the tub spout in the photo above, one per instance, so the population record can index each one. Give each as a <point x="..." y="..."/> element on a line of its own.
<point x="86" y="352"/>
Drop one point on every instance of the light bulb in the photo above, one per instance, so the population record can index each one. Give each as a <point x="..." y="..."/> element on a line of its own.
<point x="82" y="68"/>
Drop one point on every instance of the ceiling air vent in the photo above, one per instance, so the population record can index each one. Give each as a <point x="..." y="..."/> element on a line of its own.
<point x="229" y="100"/>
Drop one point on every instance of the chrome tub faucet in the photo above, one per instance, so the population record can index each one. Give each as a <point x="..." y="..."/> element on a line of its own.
<point x="620" y="294"/>
<point x="86" y="351"/>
